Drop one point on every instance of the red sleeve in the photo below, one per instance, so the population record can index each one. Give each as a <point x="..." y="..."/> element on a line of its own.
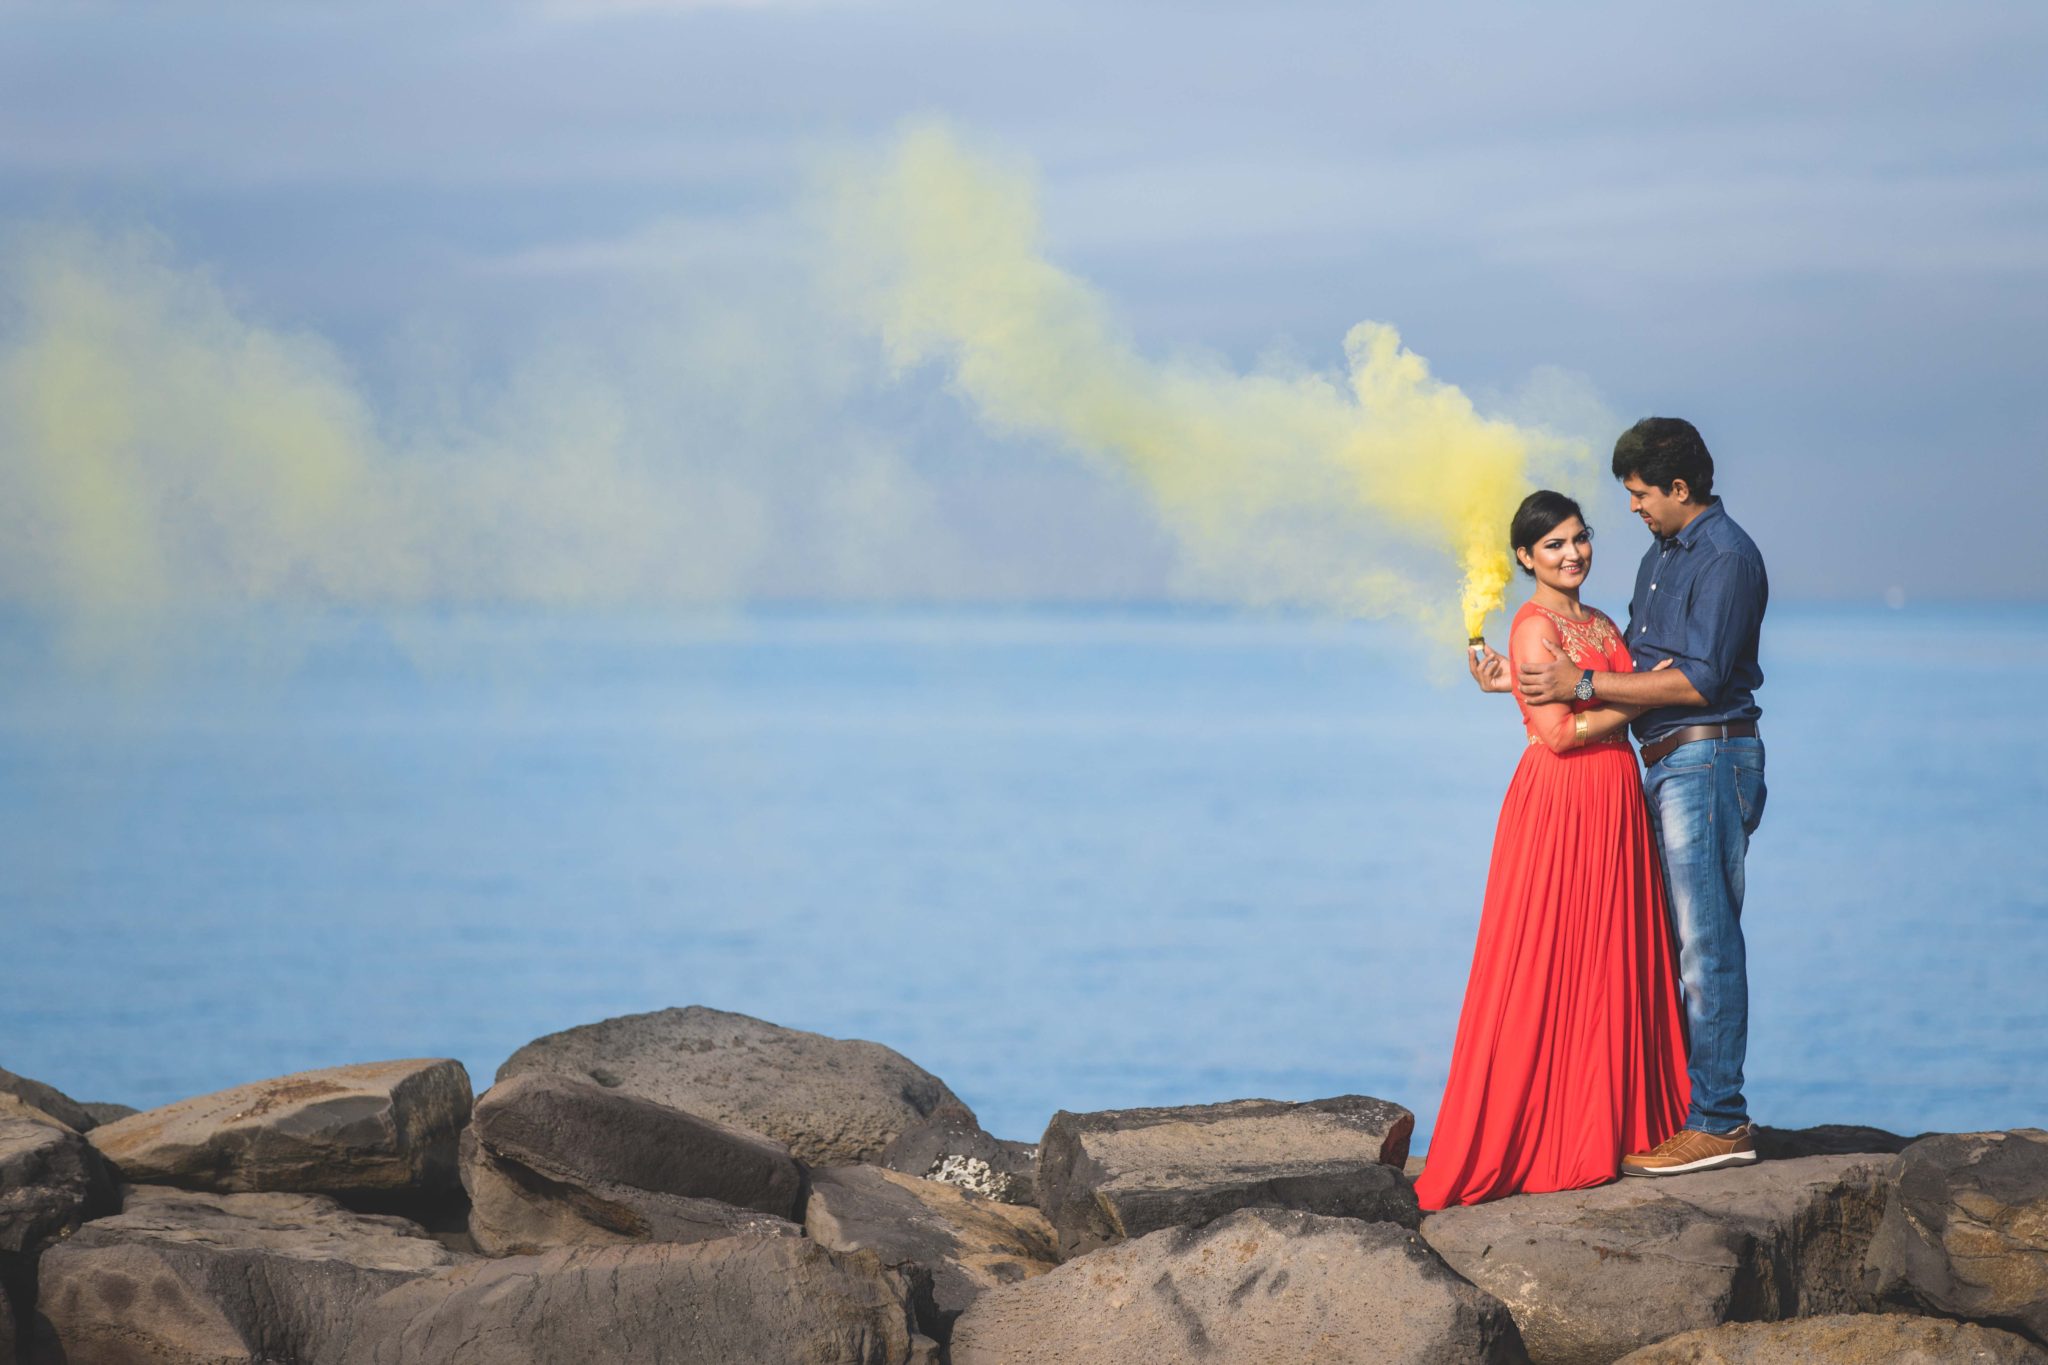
<point x="1553" y="722"/>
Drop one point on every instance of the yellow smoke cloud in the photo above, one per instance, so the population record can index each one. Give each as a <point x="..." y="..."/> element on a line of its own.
<point x="1364" y="494"/>
<point x="131" y="392"/>
<point x="160" y="450"/>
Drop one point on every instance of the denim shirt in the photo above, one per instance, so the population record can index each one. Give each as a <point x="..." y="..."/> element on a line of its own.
<point x="1699" y="602"/>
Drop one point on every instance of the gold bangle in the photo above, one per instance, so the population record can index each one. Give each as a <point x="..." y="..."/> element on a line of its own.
<point x="1580" y="727"/>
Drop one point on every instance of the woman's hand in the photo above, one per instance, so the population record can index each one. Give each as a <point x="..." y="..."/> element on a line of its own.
<point x="1488" y="669"/>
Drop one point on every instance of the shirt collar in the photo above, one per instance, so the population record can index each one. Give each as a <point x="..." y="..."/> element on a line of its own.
<point x="1695" y="528"/>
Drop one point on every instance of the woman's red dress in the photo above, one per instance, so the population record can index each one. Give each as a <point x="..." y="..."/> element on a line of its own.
<point x="1571" y="1049"/>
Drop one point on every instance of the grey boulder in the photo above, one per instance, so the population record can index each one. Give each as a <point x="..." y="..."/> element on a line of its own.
<point x="737" y="1301"/>
<point x="831" y="1101"/>
<point x="1121" y="1173"/>
<point x="105" y="1111"/>
<point x="949" y="1145"/>
<point x="554" y="1161"/>
<point x="1259" y="1287"/>
<point x="51" y="1181"/>
<point x="52" y="1101"/>
<point x="370" y="1128"/>
<point x="185" y="1276"/>
<point x="967" y="1244"/>
<point x="1843" y="1339"/>
<point x="1591" y="1275"/>
<point x="1965" y="1231"/>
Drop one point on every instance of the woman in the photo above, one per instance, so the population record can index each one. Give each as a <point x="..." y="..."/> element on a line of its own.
<point x="1570" y="1047"/>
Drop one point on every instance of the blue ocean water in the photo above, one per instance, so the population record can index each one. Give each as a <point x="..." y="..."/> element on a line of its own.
<point x="1062" y="858"/>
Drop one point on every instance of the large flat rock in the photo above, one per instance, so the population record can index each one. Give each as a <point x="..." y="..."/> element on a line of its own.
<point x="1965" y="1230"/>
<point x="1591" y="1275"/>
<point x="737" y="1301"/>
<point x="1120" y="1173"/>
<point x="1258" y="1287"/>
<point x="185" y="1276"/>
<point x="370" y="1128"/>
<point x="555" y="1161"/>
<point x="1844" y="1339"/>
<point x="969" y="1244"/>
<point x="831" y="1101"/>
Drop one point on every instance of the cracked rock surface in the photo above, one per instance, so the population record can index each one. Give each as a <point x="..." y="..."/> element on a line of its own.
<point x="186" y="1276"/>
<point x="1965" y="1231"/>
<point x="1591" y="1275"/>
<point x="1258" y="1287"/>
<point x="1844" y="1339"/>
<point x="1853" y="1339"/>
<point x="967" y="1243"/>
<point x="742" y="1300"/>
<point x="51" y="1181"/>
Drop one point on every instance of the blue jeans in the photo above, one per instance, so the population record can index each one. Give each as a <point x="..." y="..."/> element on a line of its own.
<point x="1706" y="799"/>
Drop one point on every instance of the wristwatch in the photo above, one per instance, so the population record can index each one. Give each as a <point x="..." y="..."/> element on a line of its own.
<point x="1584" y="691"/>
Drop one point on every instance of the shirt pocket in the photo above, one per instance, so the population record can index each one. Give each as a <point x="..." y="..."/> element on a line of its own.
<point x="1664" y="609"/>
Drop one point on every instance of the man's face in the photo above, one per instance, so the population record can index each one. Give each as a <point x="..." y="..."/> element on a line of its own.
<point x="1664" y="513"/>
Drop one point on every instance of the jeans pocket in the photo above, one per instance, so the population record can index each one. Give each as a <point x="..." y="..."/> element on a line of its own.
<point x="1751" y="793"/>
<point x="1695" y="757"/>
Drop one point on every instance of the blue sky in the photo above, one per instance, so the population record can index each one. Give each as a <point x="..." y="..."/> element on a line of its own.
<point x="1821" y="232"/>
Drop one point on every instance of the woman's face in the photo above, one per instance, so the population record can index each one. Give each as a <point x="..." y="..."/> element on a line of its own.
<point x="1562" y="556"/>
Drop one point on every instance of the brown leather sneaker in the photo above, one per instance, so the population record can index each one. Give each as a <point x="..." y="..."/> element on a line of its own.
<point x="1689" y="1150"/>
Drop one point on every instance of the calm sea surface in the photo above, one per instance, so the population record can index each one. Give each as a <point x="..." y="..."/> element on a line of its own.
<point x="1062" y="859"/>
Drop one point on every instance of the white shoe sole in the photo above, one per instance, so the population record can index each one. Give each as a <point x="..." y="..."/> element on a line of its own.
<point x="1705" y="1163"/>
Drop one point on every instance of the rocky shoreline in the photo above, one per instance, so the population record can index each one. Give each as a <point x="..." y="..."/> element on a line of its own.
<point x="698" y="1186"/>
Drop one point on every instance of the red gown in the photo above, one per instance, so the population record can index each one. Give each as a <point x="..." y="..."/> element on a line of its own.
<point x="1571" y="1045"/>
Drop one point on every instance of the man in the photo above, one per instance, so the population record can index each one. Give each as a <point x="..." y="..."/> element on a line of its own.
<point x="1699" y="603"/>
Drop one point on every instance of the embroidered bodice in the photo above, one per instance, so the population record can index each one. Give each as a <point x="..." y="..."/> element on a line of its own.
<point x="1593" y="643"/>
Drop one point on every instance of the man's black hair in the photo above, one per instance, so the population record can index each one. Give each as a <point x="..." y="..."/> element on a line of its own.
<point x="1540" y="513"/>
<point x="1663" y="450"/>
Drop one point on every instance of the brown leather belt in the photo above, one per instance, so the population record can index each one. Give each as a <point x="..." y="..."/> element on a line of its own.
<point x="1656" y="749"/>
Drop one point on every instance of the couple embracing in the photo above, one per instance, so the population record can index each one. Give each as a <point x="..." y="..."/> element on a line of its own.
<point x="1607" y="1013"/>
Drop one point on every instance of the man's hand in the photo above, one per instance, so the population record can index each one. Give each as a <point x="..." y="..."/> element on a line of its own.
<point x="1557" y="678"/>
<point x="1489" y="670"/>
<point x="1551" y="680"/>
